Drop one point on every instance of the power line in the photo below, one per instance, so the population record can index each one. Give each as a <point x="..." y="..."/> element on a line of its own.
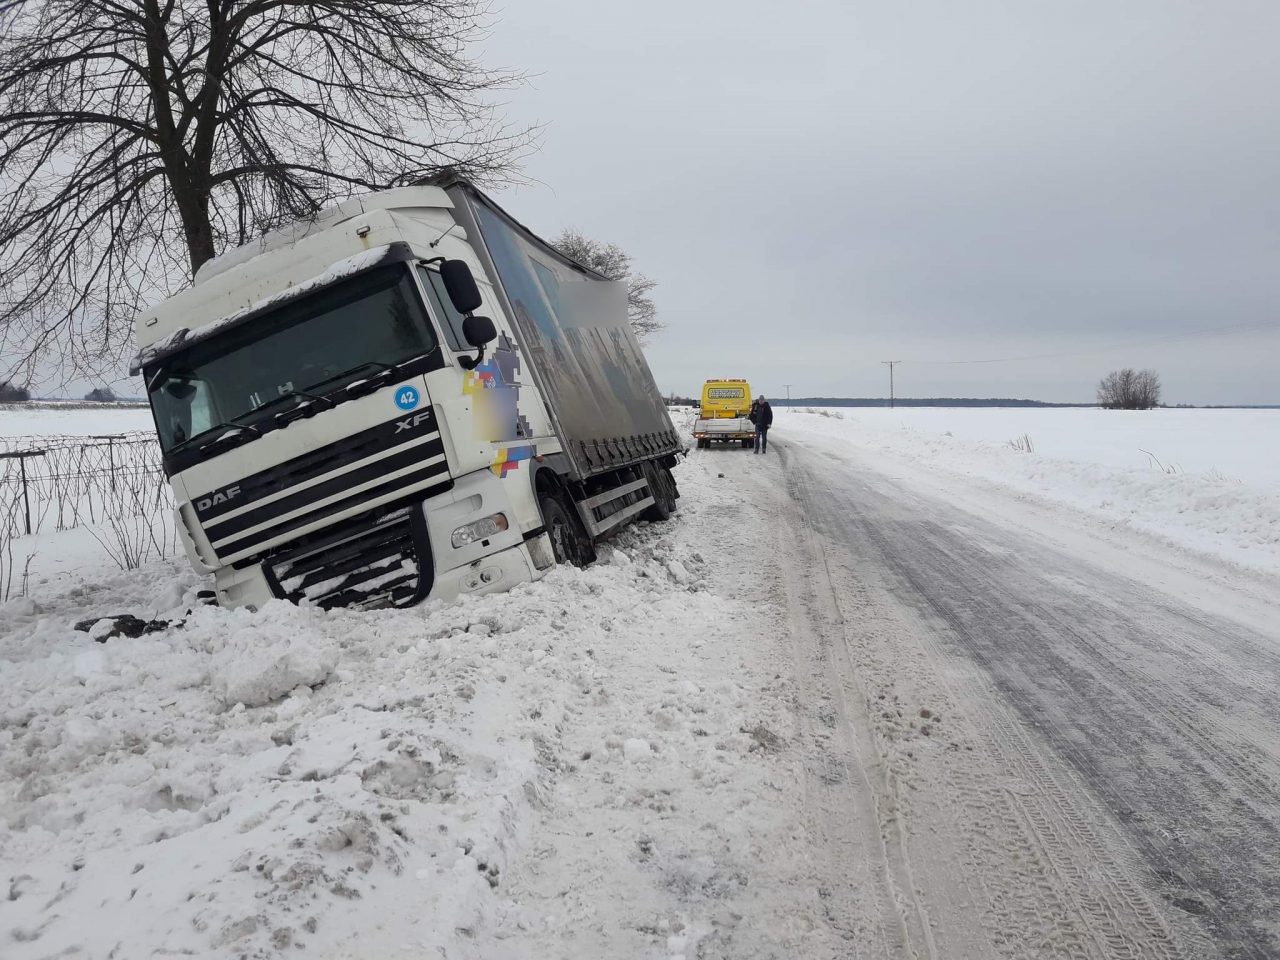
<point x="890" y="364"/>
<point x="1207" y="331"/>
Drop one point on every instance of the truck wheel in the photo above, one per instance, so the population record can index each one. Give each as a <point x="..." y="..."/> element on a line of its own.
<point x="747" y="444"/>
<point x="569" y="541"/>
<point x="671" y="485"/>
<point x="662" y="487"/>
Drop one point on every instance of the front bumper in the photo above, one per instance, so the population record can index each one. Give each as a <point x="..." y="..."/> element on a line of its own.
<point x="397" y="557"/>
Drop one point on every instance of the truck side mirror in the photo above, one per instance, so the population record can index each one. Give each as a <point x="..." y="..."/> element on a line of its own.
<point x="461" y="286"/>
<point x="478" y="331"/>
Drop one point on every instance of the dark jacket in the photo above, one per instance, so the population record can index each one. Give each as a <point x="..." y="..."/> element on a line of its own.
<point x="762" y="414"/>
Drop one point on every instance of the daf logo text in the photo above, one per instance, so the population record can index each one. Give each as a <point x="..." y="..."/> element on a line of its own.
<point x="217" y="497"/>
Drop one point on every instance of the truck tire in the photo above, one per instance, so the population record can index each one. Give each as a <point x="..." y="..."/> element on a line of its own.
<point x="569" y="542"/>
<point x="662" y="488"/>
<point x="747" y="444"/>
<point x="671" y="485"/>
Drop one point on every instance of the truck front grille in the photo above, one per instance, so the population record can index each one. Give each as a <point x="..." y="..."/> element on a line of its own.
<point x="391" y="464"/>
<point x="365" y="563"/>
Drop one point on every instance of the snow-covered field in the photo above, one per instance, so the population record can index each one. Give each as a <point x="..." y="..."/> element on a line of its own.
<point x="42" y="420"/>
<point x="90" y="496"/>
<point x="1206" y="480"/>
<point x="1235" y="444"/>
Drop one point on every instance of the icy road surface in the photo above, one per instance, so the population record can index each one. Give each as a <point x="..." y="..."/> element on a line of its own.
<point x="1072" y="744"/>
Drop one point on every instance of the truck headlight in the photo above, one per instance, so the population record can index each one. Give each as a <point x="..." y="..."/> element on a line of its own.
<point x="478" y="530"/>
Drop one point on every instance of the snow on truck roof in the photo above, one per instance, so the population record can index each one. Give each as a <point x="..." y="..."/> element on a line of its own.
<point x="289" y="258"/>
<point x="287" y="236"/>
<point x="227" y="289"/>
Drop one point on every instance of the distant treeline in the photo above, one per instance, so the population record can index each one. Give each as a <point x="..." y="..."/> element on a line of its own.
<point x="898" y="401"/>
<point x="55" y="403"/>
<point x="920" y="402"/>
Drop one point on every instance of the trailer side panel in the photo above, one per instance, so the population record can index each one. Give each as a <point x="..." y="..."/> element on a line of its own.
<point x="585" y="358"/>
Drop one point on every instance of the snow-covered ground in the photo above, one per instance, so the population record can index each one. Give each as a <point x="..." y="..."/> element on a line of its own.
<point x="591" y="759"/>
<point x="1206" y="480"/>
<point x="639" y="759"/>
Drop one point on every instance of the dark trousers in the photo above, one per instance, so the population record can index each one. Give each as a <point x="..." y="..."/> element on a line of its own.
<point x="762" y="439"/>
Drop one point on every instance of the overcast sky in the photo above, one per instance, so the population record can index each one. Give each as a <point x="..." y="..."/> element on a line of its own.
<point x="820" y="186"/>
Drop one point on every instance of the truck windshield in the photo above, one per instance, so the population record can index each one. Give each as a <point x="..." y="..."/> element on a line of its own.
<point x="325" y="340"/>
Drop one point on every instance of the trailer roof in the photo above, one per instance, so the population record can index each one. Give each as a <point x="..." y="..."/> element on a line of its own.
<point x="451" y="181"/>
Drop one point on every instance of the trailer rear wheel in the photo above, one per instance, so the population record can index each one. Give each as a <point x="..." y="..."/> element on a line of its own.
<point x="671" y="485"/>
<point x="747" y="444"/>
<point x="569" y="542"/>
<point x="662" y="489"/>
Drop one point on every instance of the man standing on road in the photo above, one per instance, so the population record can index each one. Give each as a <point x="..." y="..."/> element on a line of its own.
<point x="762" y="417"/>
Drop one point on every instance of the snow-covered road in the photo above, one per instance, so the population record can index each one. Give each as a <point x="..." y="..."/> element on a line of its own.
<point x="1071" y="739"/>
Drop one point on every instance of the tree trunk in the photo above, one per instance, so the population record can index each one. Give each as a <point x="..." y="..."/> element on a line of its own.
<point x="185" y="181"/>
<point x="199" y="233"/>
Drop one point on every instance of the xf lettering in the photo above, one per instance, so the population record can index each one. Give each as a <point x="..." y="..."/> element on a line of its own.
<point x="408" y="423"/>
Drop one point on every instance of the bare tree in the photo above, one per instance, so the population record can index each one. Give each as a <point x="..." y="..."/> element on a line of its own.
<point x="1129" y="389"/>
<point x="140" y="138"/>
<point x="1112" y="389"/>
<point x="1147" y="390"/>
<point x="13" y="393"/>
<point x="610" y="260"/>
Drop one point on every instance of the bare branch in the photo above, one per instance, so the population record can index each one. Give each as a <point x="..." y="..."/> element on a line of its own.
<point x="139" y="138"/>
<point x="610" y="260"/>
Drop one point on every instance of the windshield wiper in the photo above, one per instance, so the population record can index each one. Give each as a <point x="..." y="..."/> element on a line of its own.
<point x="346" y="373"/>
<point x="238" y="431"/>
<point x="233" y="437"/>
<point x="305" y="401"/>
<point x="233" y="432"/>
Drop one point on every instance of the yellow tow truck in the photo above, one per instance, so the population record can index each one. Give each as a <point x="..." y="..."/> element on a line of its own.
<point x="723" y="418"/>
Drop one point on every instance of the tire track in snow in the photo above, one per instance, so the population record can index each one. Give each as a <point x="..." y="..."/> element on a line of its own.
<point x="1158" y="707"/>
<point x="1055" y="879"/>
<point x="853" y="808"/>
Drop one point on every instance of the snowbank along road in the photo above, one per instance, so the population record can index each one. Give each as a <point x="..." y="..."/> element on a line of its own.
<point x="841" y="707"/>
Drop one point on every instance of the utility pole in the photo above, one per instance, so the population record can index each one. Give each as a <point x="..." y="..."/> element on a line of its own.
<point x="890" y="364"/>
<point x="788" y="386"/>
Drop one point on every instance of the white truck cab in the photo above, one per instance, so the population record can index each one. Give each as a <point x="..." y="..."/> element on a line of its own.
<point x="386" y="404"/>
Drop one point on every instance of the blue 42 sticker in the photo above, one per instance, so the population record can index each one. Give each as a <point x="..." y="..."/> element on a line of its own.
<point x="407" y="397"/>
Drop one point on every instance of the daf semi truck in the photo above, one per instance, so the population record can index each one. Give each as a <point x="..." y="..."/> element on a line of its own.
<point x="409" y="396"/>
